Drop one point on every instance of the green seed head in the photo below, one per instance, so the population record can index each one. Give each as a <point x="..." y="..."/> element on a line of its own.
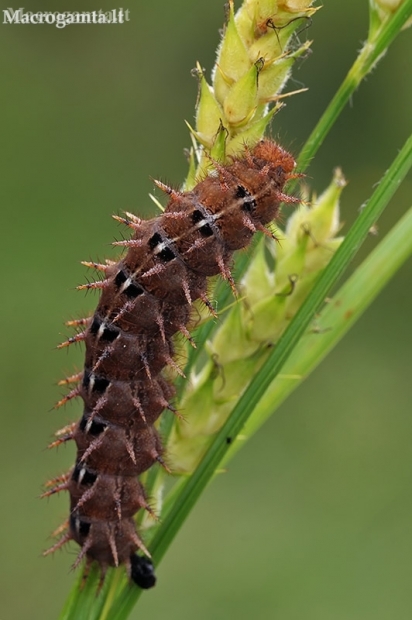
<point x="278" y="280"/>
<point x="254" y="62"/>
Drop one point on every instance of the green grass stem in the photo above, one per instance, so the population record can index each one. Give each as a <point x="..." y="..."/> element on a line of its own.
<point x="373" y="49"/>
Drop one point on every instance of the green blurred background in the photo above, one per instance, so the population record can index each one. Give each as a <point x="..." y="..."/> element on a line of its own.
<point x="313" y="520"/>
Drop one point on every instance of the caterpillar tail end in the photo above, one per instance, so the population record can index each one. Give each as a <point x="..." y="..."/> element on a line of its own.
<point x="142" y="572"/>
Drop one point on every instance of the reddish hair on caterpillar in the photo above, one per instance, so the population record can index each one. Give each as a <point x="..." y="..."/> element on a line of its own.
<point x="146" y="298"/>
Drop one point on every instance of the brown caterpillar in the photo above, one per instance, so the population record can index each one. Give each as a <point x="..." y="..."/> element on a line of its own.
<point x="146" y="298"/>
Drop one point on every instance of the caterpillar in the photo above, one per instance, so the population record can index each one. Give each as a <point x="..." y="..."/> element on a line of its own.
<point x="146" y="299"/>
